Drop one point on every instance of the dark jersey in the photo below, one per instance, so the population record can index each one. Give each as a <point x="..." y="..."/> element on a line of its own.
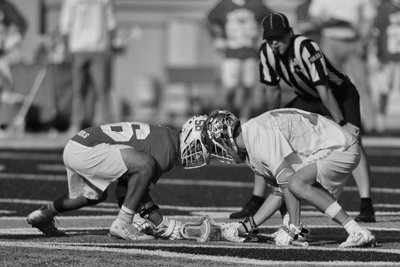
<point x="388" y="23"/>
<point x="241" y="24"/>
<point x="160" y="142"/>
<point x="304" y="66"/>
<point x="9" y="15"/>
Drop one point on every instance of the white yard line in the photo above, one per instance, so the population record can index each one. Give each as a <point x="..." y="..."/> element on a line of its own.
<point x="181" y="182"/>
<point x="141" y="250"/>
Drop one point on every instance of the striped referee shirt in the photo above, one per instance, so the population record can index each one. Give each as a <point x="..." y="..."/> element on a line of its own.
<point x="303" y="67"/>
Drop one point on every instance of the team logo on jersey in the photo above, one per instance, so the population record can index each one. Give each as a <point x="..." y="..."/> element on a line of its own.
<point x="315" y="57"/>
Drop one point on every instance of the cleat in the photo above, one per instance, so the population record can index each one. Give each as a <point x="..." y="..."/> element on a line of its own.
<point x="359" y="238"/>
<point x="250" y="208"/>
<point x="44" y="222"/>
<point x="128" y="231"/>
<point x="367" y="214"/>
<point x="204" y="230"/>
<point x="365" y="218"/>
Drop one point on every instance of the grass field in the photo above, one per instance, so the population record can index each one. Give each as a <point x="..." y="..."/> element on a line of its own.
<point x="31" y="177"/>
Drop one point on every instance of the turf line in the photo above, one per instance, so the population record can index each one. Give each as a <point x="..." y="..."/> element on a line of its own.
<point x="377" y="169"/>
<point x="188" y="256"/>
<point x="168" y="207"/>
<point x="34" y="231"/>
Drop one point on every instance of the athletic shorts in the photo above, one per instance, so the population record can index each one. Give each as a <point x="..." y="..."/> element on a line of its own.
<point x="91" y="170"/>
<point x="334" y="169"/>
<point x="388" y="78"/>
<point x="348" y="100"/>
<point x="240" y="72"/>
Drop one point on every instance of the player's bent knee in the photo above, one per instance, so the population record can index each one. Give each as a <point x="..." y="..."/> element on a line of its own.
<point x="295" y="187"/>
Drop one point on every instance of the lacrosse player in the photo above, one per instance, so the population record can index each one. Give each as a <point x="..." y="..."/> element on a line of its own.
<point x="136" y="152"/>
<point x="310" y="157"/>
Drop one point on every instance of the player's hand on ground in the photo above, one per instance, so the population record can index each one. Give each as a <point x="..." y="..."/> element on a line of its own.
<point x="352" y="129"/>
<point x="230" y="231"/>
<point x="143" y="225"/>
<point x="169" y="229"/>
<point x="304" y="233"/>
<point x="284" y="237"/>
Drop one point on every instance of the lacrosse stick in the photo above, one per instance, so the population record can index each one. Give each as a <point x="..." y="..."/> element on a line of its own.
<point x="269" y="239"/>
<point x="19" y="121"/>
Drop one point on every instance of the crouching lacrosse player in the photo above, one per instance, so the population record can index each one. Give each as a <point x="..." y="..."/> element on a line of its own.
<point x="310" y="157"/>
<point x="137" y="154"/>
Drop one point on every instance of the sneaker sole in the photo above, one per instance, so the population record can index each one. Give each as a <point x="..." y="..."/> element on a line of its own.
<point x="116" y="236"/>
<point x="371" y="244"/>
<point x="367" y="220"/>
<point x="44" y="232"/>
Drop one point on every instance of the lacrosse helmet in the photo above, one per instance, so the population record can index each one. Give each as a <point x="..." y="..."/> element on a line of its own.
<point x="194" y="153"/>
<point x="220" y="131"/>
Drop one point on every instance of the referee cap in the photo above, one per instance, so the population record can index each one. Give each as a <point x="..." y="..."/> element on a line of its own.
<point x="275" y="24"/>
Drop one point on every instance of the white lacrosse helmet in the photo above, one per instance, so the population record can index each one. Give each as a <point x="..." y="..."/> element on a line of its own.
<point x="194" y="153"/>
<point x="221" y="129"/>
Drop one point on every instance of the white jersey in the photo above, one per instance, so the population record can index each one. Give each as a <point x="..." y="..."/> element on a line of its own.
<point x="348" y="15"/>
<point x="298" y="136"/>
<point x="88" y="24"/>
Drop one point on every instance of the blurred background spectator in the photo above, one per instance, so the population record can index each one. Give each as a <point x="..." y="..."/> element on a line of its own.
<point x="89" y="28"/>
<point x="384" y="60"/>
<point x="345" y="33"/>
<point x="235" y="26"/>
<point x="303" y="16"/>
<point x="13" y="27"/>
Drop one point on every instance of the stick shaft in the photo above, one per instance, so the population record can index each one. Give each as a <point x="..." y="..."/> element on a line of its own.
<point x="265" y="238"/>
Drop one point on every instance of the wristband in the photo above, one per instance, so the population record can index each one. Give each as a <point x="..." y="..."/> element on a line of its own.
<point x="342" y="122"/>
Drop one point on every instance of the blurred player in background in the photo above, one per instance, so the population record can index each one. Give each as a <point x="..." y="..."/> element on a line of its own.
<point x="309" y="156"/>
<point x="137" y="153"/>
<point x="13" y="27"/>
<point x="235" y="28"/>
<point x="303" y="16"/>
<point x="385" y="59"/>
<point x="345" y="28"/>
<point x="319" y="87"/>
<point x="89" y="28"/>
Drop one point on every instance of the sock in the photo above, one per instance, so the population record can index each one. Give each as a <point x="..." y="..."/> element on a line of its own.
<point x="351" y="226"/>
<point x="126" y="214"/>
<point x="52" y="210"/>
<point x="257" y="199"/>
<point x="366" y="201"/>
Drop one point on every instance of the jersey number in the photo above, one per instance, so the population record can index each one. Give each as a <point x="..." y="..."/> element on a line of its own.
<point x="124" y="131"/>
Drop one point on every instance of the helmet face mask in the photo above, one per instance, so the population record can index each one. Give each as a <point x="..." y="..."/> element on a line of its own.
<point x="221" y="129"/>
<point x="194" y="153"/>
